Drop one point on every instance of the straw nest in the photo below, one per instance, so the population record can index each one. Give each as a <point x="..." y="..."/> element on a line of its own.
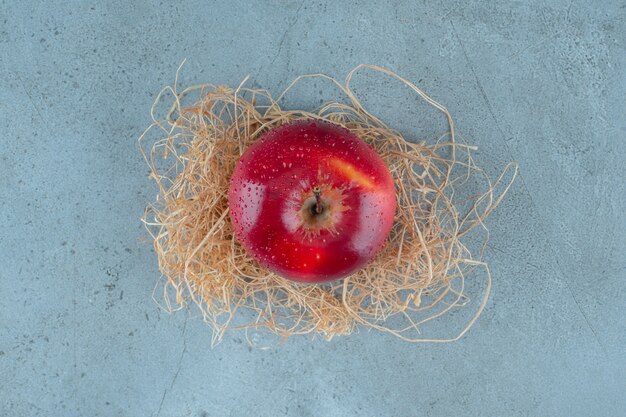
<point x="419" y="276"/>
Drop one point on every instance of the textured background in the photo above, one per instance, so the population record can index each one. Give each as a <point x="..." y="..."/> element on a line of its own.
<point x="543" y="85"/>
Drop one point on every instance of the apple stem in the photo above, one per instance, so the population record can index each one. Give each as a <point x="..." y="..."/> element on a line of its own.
<point x="317" y="192"/>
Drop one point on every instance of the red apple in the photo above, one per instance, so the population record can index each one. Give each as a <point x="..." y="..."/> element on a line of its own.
<point x="311" y="201"/>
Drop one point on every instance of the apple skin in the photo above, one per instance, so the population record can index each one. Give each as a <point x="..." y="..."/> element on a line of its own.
<point x="278" y="219"/>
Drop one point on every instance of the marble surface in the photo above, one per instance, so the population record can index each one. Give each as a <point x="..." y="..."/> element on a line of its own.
<point x="80" y="334"/>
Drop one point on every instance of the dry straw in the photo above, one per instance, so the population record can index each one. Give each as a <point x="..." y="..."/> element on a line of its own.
<point x="419" y="276"/>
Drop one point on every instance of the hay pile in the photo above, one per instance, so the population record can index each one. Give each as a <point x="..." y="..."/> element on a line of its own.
<point x="419" y="276"/>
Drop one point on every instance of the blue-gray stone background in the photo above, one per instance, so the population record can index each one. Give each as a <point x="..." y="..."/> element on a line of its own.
<point x="542" y="83"/>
